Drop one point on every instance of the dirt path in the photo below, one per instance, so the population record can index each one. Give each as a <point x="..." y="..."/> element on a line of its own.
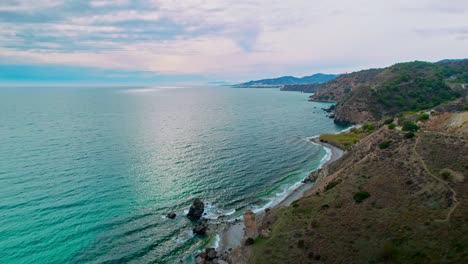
<point x="454" y="193"/>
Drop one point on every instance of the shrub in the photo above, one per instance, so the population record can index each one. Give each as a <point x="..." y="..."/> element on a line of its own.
<point x="410" y="126"/>
<point x="384" y="144"/>
<point x="446" y="175"/>
<point x="360" y="196"/>
<point x="368" y="127"/>
<point x="388" y="121"/>
<point x="409" y="135"/>
<point x="332" y="184"/>
<point x="423" y="117"/>
<point x="392" y="126"/>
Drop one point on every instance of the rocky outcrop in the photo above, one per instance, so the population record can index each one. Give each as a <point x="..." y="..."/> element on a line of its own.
<point x="171" y="215"/>
<point x="250" y="223"/>
<point x="357" y="108"/>
<point x="196" y="210"/>
<point x="210" y="256"/>
<point x="200" y="228"/>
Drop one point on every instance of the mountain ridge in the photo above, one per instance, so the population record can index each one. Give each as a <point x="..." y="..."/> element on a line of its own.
<point x="369" y="95"/>
<point x="288" y="80"/>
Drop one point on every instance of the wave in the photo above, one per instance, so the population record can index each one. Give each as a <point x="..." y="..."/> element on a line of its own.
<point x="212" y="212"/>
<point x="281" y="196"/>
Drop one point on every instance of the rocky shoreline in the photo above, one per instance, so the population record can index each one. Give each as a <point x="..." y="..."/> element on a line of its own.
<point x="234" y="234"/>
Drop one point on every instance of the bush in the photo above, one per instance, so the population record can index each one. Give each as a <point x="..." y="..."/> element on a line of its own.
<point x="409" y="135"/>
<point x="388" y="121"/>
<point x="368" y="127"/>
<point x="423" y="117"/>
<point x="384" y="144"/>
<point x="332" y="184"/>
<point x="295" y="204"/>
<point x="446" y="175"/>
<point x="392" y="126"/>
<point x="360" y="196"/>
<point x="410" y="126"/>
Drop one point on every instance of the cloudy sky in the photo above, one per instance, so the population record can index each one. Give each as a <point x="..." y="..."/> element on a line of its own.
<point x="203" y="41"/>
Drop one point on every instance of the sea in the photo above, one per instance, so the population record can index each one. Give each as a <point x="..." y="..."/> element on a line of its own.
<point x="88" y="174"/>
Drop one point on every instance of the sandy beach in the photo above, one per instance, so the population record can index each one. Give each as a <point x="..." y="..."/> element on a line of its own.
<point x="231" y="234"/>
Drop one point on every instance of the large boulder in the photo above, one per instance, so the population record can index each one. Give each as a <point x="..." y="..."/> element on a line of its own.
<point x="200" y="228"/>
<point x="196" y="210"/>
<point x="171" y="215"/>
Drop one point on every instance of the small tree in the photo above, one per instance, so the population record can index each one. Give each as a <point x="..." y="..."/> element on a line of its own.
<point x="360" y="196"/>
<point x="391" y="126"/>
<point x="368" y="127"/>
<point x="384" y="144"/>
<point x="409" y="135"/>
<point x="388" y="121"/>
<point x="410" y="126"/>
<point x="423" y="117"/>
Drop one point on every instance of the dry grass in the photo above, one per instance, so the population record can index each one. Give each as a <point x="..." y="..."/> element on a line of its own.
<point x="396" y="223"/>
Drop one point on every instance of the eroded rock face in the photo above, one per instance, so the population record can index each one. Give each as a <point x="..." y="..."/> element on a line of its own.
<point x="250" y="223"/>
<point x="196" y="210"/>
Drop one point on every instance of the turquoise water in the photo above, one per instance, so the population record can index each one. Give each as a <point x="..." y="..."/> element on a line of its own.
<point x="88" y="174"/>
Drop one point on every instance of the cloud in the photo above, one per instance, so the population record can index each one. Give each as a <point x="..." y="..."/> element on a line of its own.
<point x="232" y="39"/>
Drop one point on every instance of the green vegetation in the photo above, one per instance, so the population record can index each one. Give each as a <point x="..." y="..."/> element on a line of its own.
<point x="360" y="196"/>
<point x="446" y="175"/>
<point x="388" y="121"/>
<point x="423" y="117"/>
<point x="344" y="140"/>
<point x="415" y="86"/>
<point x="410" y="126"/>
<point x="384" y="144"/>
<point x="409" y="135"/>
<point x="368" y="127"/>
<point x="391" y="126"/>
<point x="332" y="184"/>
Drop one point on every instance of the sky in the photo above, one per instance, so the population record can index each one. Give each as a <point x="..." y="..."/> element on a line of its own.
<point x="195" y="41"/>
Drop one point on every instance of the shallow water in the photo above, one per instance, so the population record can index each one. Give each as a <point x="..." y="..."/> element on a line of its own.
<point x="88" y="174"/>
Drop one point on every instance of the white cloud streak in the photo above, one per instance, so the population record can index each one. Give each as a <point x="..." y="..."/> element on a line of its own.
<point x="241" y="39"/>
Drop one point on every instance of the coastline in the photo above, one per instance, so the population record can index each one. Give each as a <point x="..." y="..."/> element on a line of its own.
<point x="232" y="234"/>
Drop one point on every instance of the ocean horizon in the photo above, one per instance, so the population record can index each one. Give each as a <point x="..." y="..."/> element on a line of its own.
<point x="89" y="174"/>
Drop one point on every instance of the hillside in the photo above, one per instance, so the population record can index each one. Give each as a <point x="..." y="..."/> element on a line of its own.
<point x="369" y="95"/>
<point x="413" y="211"/>
<point x="305" y="88"/>
<point x="288" y="80"/>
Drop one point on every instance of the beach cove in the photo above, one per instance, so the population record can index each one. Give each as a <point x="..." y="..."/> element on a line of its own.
<point x="231" y="234"/>
<point x="120" y="159"/>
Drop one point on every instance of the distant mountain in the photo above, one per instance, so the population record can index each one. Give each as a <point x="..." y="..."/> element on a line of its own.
<point x="305" y="88"/>
<point x="288" y="80"/>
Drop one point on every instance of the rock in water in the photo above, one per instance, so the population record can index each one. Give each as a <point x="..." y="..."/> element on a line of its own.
<point x="200" y="229"/>
<point x="171" y="215"/>
<point x="196" y="210"/>
<point x="210" y="253"/>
